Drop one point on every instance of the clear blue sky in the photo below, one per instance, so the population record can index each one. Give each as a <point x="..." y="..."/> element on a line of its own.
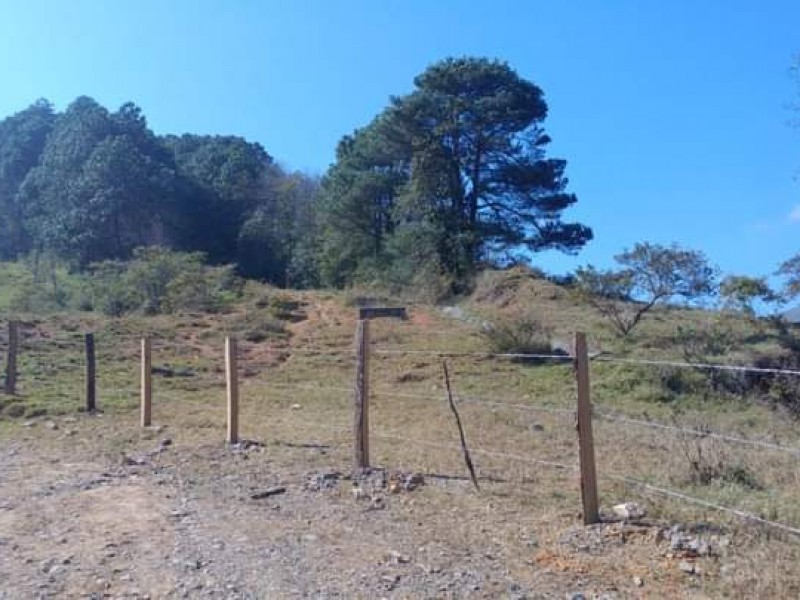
<point x="673" y="115"/>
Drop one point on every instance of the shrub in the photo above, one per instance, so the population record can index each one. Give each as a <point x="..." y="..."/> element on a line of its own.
<point x="525" y="335"/>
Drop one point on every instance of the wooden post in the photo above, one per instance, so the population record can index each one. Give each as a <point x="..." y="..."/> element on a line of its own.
<point x="361" y="397"/>
<point x="585" y="439"/>
<point x="10" y="386"/>
<point x="233" y="390"/>
<point x="91" y="387"/>
<point x="147" y="383"/>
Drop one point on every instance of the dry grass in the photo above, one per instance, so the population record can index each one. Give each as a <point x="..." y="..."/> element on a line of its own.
<point x="296" y="399"/>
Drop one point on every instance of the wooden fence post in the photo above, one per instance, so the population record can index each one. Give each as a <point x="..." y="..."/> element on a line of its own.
<point x="91" y="370"/>
<point x="361" y="397"/>
<point x="147" y="383"/>
<point x="585" y="438"/>
<point x="233" y="390"/>
<point x="10" y="386"/>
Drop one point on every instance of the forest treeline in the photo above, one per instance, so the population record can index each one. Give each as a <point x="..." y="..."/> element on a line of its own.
<point x="448" y="178"/>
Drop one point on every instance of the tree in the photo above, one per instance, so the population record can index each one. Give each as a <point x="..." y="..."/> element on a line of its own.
<point x="741" y="292"/>
<point x="22" y="140"/>
<point x="457" y="167"/>
<point x="650" y="274"/>
<point x="790" y="270"/>
<point x="104" y="185"/>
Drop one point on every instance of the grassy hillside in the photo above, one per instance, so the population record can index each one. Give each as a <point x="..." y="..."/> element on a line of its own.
<point x="296" y="367"/>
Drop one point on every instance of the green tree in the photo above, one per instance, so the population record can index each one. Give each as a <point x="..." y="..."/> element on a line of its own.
<point x="648" y="275"/>
<point x="740" y="292"/>
<point x="457" y="167"/>
<point x="790" y="270"/>
<point x="104" y="184"/>
<point x="22" y="140"/>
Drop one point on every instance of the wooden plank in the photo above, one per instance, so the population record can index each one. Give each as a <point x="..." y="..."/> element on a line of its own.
<point x="10" y="386"/>
<point x="91" y="370"/>
<point x="382" y="312"/>
<point x="147" y="383"/>
<point x="361" y="398"/>
<point x="232" y="378"/>
<point x="591" y="512"/>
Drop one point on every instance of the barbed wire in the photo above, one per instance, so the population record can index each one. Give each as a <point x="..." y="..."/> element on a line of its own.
<point x="697" y="432"/>
<point x="687" y="365"/>
<point x="456" y="353"/>
<point x="700" y="502"/>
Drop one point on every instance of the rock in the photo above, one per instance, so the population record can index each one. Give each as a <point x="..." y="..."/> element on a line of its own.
<point x="413" y="481"/>
<point x="52" y="425"/>
<point x="576" y="596"/>
<point x="358" y="493"/>
<point x="296" y="407"/>
<point x="688" y="568"/>
<point x="638" y="581"/>
<point x="165" y="442"/>
<point x="30" y="424"/>
<point x="399" y="558"/>
<point x="629" y="511"/>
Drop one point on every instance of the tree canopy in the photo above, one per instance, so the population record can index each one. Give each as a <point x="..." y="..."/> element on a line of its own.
<point x="454" y="173"/>
<point x="91" y="185"/>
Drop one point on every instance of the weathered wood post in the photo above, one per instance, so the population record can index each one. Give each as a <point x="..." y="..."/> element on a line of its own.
<point x="361" y="398"/>
<point x="91" y="370"/>
<point x="585" y="438"/>
<point x="10" y="386"/>
<point x="233" y="390"/>
<point x="147" y="383"/>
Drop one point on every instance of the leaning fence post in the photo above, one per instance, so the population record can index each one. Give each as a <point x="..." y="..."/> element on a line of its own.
<point x="10" y="386"/>
<point x="361" y="397"/>
<point x="233" y="390"/>
<point x="91" y="387"/>
<point x="585" y="438"/>
<point x="147" y="383"/>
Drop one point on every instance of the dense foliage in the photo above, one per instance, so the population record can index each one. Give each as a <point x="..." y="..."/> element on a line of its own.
<point x="447" y="178"/>
<point x="90" y="185"/>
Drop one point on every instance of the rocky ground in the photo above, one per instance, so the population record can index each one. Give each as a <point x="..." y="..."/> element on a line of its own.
<point x="89" y="510"/>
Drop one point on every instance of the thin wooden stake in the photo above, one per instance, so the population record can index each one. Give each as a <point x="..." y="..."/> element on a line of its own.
<point x="361" y="398"/>
<point x="91" y="370"/>
<point x="147" y="383"/>
<point x="464" y="449"/>
<point x="585" y="438"/>
<point x="10" y="386"/>
<point x="233" y="390"/>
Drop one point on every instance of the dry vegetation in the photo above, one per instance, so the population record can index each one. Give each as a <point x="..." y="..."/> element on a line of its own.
<point x="183" y="523"/>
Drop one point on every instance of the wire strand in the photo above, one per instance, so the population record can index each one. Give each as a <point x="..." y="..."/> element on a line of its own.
<point x="700" y="502"/>
<point x="698" y="432"/>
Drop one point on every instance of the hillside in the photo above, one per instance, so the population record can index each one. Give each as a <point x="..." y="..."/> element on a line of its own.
<point x="94" y="504"/>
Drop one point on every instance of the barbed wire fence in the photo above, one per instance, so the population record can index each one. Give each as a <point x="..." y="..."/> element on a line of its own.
<point x="82" y="357"/>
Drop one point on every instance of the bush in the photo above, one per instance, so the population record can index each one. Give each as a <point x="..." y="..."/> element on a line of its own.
<point x="158" y="281"/>
<point x="525" y="335"/>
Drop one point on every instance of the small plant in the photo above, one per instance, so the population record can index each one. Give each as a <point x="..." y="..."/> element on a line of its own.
<point x="525" y="335"/>
<point x="708" y="462"/>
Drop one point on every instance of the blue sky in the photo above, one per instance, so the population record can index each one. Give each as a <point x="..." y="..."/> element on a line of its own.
<point x="673" y="115"/>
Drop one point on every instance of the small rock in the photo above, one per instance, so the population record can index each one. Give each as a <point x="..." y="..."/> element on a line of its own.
<point x="296" y="407"/>
<point x="399" y="558"/>
<point x="688" y="568"/>
<point x="30" y="424"/>
<point x="358" y="493"/>
<point x="52" y="425"/>
<point x="638" y="581"/>
<point x="165" y="442"/>
<point x="629" y="511"/>
<point x="576" y="596"/>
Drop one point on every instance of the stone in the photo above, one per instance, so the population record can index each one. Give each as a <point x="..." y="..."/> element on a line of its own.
<point x="629" y="511"/>
<point x="638" y="581"/>
<point x="399" y="558"/>
<point x="688" y="568"/>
